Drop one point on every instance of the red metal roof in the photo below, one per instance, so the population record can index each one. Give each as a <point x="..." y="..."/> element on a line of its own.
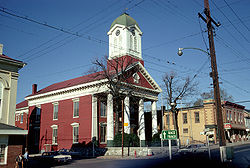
<point x="22" y="104"/>
<point x="6" y="57"/>
<point x="72" y="82"/>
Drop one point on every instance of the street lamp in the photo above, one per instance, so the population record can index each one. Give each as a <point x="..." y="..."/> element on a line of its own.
<point x="180" y="52"/>
<point x="220" y="126"/>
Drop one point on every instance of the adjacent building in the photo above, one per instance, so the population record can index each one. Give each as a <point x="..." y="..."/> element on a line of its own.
<point x="194" y="122"/>
<point x="77" y="110"/>
<point x="11" y="138"/>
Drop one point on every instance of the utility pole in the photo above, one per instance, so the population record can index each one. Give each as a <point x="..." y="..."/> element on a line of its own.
<point x="220" y="125"/>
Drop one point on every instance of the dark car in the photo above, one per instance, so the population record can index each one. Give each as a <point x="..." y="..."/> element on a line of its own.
<point x="55" y="157"/>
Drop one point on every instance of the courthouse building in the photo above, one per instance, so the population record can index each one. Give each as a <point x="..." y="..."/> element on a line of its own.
<point x="11" y="137"/>
<point x="193" y="121"/>
<point x="76" y="110"/>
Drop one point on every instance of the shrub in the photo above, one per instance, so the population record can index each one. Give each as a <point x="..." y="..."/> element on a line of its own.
<point x="131" y="140"/>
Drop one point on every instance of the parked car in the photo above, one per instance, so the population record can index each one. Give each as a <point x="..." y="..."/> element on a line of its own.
<point x="71" y="153"/>
<point x="193" y="148"/>
<point x="56" y="157"/>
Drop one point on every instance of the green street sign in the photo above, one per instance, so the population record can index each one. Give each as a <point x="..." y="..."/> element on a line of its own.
<point x="169" y="134"/>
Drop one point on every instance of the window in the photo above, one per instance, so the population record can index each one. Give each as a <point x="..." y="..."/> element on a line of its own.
<point x="21" y="118"/>
<point x="54" y="134"/>
<point x="38" y="114"/>
<point x="239" y="117"/>
<point x="55" y="111"/>
<point x="1" y="98"/>
<point x="230" y="115"/>
<point x="103" y="128"/>
<point x="167" y="119"/>
<point x="184" y="118"/>
<point x="3" y="153"/>
<point x="185" y="130"/>
<point x="235" y="119"/>
<point x="131" y="42"/>
<point x="76" y="108"/>
<point x="197" y="117"/>
<point x="75" y="132"/>
<point x="103" y="109"/>
<point x="135" y="43"/>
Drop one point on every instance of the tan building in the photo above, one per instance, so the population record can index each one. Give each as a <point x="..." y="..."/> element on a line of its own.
<point x="193" y="121"/>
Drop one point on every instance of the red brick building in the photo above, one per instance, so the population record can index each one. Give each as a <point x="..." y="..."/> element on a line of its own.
<point x="76" y="110"/>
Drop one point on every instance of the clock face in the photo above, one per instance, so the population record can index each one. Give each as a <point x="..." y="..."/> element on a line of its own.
<point x="117" y="32"/>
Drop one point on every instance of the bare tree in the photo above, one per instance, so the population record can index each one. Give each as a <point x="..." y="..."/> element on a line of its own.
<point x="117" y="72"/>
<point x="178" y="88"/>
<point x="210" y="95"/>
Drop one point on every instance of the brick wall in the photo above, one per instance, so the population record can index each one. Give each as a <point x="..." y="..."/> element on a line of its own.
<point x="13" y="151"/>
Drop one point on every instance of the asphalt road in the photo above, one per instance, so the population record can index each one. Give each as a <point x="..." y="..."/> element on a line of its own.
<point x="199" y="160"/>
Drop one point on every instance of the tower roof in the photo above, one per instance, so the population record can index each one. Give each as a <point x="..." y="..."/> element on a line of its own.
<point x="125" y="20"/>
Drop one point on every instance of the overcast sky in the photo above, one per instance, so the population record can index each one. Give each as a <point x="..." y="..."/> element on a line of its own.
<point x="57" y="54"/>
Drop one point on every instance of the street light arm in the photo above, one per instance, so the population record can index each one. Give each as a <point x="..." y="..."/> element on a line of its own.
<point x="193" y="48"/>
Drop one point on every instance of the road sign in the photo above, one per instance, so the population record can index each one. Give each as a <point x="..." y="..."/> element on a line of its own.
<point x="169" y="134"/>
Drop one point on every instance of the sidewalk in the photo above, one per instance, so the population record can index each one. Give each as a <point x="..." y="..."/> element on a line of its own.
<point x="230" y="144"/>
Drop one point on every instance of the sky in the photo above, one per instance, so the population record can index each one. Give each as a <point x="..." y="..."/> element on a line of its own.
<point x="43" y="35"/>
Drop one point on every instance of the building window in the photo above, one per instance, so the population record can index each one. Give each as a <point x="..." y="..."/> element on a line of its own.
<point x="54" y="134"/>
<point x="1" y="98"/>
<point x="131" y="42"/>
<point x="75" y="132"/>
<point x="135" y="43"/>
<point x="103" y="128"/>
<point x="167" y="119"/>
<point x="76" y="108"/>
<point x="185" y="130"/>
<point x="184" y="118"/>
<point x="21" y="118"/>
<point x="3" y="153"/>
<point x="55" y="111"/>
<point x="235" y="119"/>
<point x="103" y="109"/>
<point x="197" y="117"/>
<point x="239" y="117"/>
<point x="230" y="115"/>
<point x="38" y="114"/>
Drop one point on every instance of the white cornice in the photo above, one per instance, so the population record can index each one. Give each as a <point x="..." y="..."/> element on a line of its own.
<point x="13" y="132"/>
<point x="59" y="91"/>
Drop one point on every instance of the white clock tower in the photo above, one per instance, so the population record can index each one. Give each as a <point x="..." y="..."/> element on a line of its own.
<point x="124" y="38"/>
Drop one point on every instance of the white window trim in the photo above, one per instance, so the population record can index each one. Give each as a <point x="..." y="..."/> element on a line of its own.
<point x="75" y="100"/>
<point x="5" y="155"/>
<point x="54" y="127"/>
<point x="75" y="125"/>
<point x="55" y="103"/>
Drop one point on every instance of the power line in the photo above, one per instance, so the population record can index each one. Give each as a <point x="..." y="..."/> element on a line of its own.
<point x="230" y="22"/>
<point x="236" y="15"/>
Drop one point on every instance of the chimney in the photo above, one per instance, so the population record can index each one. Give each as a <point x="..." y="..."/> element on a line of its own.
<point x="1" y="49"/>
<point x="34" y="88"/>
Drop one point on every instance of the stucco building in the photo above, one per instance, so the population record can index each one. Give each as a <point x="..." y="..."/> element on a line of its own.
<point x="77" y="110"/>
<point x="193" y="121"/>
<point x="11" y="137"/>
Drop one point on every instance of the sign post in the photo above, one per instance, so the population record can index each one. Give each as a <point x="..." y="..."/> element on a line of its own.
<point x="169" y="135"/>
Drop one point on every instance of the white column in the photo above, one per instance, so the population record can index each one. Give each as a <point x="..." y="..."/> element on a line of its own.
<point x="154" y="118"/>
<point x="110" y="120"/>
<point x="126" y="115"/>
<point x="94" y="130"/>
<point x="141" y="122"/>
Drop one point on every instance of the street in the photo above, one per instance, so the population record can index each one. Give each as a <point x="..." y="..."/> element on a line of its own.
<point x="241" y="160"/>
